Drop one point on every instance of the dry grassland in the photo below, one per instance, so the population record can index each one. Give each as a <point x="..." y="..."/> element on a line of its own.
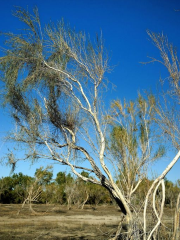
<point x="58" y="223"/>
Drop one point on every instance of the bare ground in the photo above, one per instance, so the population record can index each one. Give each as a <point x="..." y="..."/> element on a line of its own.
<point x="55" y="222"/>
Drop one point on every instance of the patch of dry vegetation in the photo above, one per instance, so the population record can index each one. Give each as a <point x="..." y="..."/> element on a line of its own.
<point x="55" y="222"/>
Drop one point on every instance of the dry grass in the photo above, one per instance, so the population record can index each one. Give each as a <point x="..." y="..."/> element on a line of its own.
<point x="56" y="222"/>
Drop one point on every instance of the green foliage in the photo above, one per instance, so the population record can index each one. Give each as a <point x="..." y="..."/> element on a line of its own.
<point x="62" y="178"/>
<point x="14" y="189"/>
<point x="44" y="176"/>
<point x="172" y="191"/>
<point x="98" y="195"/>
<point x="133" y="141"/>
<point x="85" y="174"/>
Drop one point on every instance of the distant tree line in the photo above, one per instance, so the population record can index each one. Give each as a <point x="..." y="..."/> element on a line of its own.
<point x="64" y="189"/>
<point x="67" y="190"/>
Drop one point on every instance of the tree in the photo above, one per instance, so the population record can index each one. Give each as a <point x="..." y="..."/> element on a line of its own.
<point x="21" y="183"/>
<point x="133" y="143"/>
<point x="61" y="178"/>
<point x="172" y="192"/>
<point x="14" y="188"/>
<point x="167" y="103"/>
<point x="7" y="186"/>
<point x="166" y="108"/>
<point x="44" y="175"/>
<point x="53" y="80"/>
<point x="64" y="182"/>
<point x="35" y="189"/>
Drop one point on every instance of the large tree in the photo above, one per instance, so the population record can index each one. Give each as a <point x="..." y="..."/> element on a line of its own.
<point x="54" y="79"/>
<point x="166" y="115"/>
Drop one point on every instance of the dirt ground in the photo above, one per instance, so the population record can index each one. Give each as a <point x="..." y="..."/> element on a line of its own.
<point x="55" y="222"/>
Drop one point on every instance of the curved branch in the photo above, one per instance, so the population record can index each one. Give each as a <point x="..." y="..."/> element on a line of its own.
<point x="154" y="184"/>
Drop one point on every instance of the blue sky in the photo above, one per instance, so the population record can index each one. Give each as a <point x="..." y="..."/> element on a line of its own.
<point x="124" y="24"/>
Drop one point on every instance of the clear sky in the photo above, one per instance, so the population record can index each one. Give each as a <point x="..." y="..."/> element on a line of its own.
<point x="124" y="24"/>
